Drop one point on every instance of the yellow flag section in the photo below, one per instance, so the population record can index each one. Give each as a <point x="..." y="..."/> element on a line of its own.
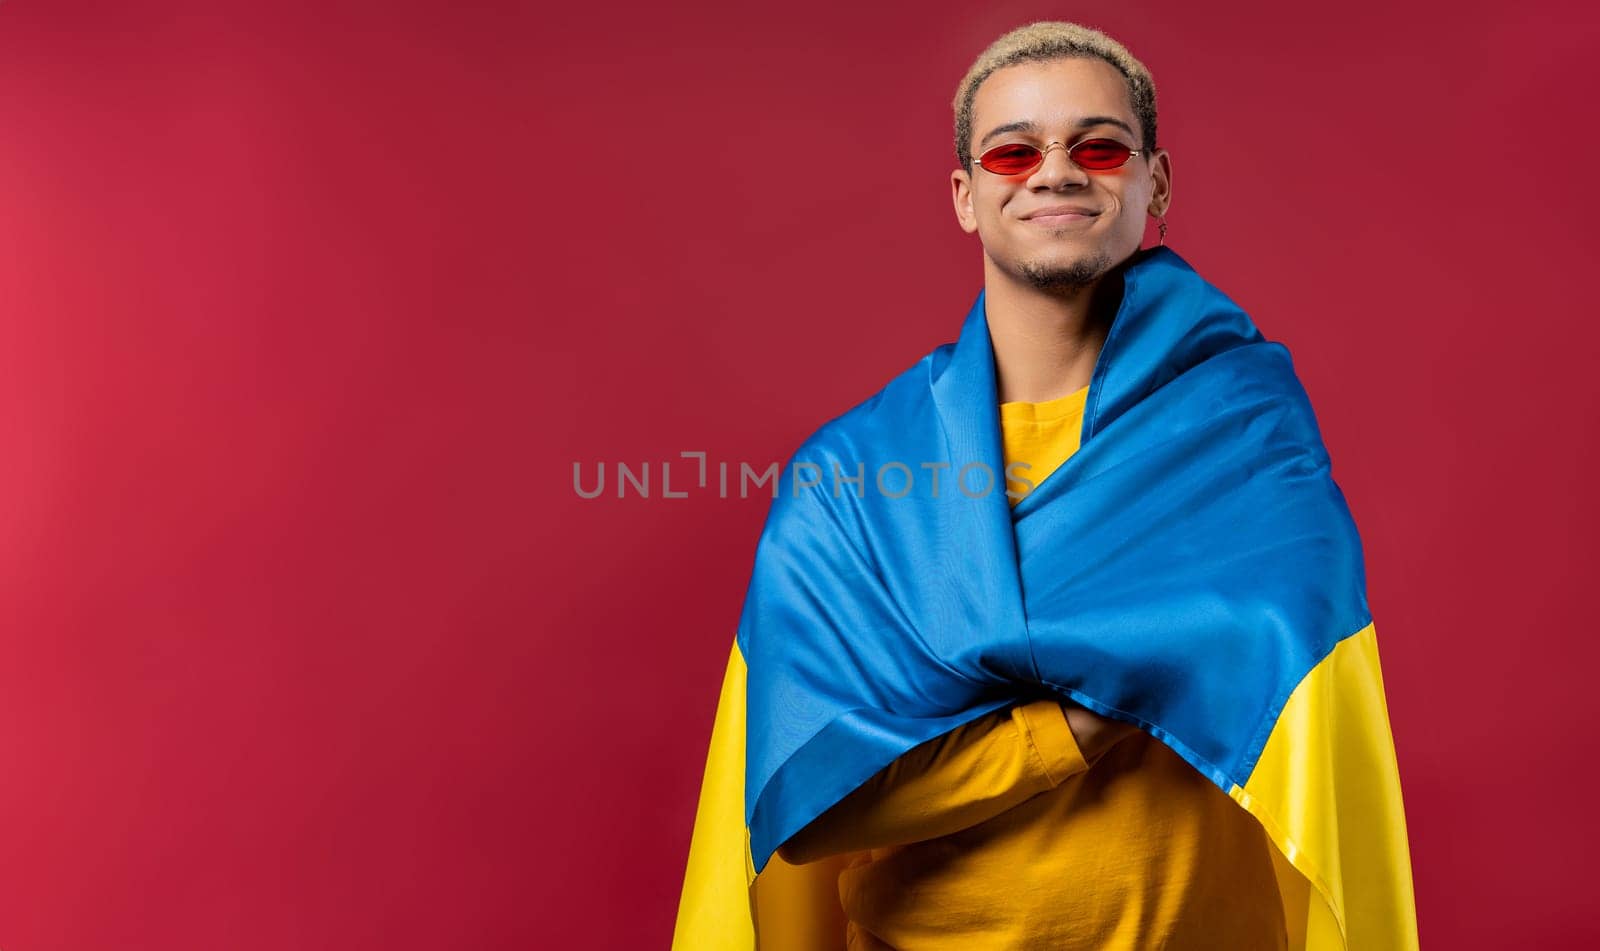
<point x="1326" y="788"/>
<point x="724" y="907"/>
<point x="714" y="911"/>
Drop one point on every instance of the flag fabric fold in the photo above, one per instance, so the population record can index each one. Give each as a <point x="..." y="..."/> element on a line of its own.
<point x="1192" y="569"/>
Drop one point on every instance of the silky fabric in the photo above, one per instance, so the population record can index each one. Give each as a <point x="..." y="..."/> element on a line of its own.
<point x="999" y="835"/>
<point x="1192" y="569"/>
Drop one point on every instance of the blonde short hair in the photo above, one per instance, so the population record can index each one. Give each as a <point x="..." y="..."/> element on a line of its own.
<point x="1048" y="40"/>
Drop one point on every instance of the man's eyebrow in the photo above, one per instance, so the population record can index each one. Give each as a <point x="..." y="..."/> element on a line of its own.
<point x="1027" y="125"/>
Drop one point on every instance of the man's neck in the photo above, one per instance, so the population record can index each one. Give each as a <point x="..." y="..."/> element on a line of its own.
<point x="1046" y="342"/>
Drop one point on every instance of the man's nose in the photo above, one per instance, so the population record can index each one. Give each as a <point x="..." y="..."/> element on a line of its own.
<point x="1058" y="168"/>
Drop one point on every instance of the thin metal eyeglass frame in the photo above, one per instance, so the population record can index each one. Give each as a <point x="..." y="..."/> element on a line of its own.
<point x="1046" y="151"/>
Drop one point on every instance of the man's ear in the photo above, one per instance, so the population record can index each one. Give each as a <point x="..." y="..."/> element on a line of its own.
<point x="1161" y="196"/>
<point x="961" y="196"/>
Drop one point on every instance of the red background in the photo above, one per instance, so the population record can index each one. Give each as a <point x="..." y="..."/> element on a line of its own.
<point x="308" y="310"/>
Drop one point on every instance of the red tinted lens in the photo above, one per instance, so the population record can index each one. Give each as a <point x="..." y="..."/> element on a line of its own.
<point x="1100" y="153"/>
<point x="1011" y="159"/>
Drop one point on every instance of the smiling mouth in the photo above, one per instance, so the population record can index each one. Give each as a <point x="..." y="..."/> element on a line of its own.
<point x="1067" y="219"/>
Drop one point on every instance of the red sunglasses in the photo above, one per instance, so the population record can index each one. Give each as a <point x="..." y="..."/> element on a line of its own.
<point x="1016" y="158"/>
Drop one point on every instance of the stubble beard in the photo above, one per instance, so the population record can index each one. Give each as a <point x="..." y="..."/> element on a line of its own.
<point x="1079" y="273"/>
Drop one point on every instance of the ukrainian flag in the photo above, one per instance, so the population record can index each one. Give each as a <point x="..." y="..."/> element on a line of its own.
<point x="1192" y="569"/>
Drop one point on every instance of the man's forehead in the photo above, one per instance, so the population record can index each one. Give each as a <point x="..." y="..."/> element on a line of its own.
<point x="1073" y="93"/>
<point x="1035" y="128"/>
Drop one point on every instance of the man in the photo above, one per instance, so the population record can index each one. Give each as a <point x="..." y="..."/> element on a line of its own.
<point x="1032" y="821"/>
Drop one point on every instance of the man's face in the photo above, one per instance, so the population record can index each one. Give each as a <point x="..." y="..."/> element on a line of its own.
<point x="1066" y="101"/>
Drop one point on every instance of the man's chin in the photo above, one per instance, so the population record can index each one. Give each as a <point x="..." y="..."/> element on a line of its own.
<point x="1067" y="272"/>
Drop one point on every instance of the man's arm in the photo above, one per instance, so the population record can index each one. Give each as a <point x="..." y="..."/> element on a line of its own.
<point x="957" y="780"/>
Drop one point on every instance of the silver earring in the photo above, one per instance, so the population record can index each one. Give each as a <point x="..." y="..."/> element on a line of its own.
<point x="1161" y="222"/>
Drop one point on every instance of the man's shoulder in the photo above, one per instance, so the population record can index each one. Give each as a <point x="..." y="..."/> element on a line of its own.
<point x="904" y="403"/>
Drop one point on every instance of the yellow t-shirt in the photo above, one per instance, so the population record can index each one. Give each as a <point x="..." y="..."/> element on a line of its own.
<point x="998" y="835"/>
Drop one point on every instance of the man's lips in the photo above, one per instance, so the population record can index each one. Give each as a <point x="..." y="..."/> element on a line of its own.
<point x="1060" y="214"/>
